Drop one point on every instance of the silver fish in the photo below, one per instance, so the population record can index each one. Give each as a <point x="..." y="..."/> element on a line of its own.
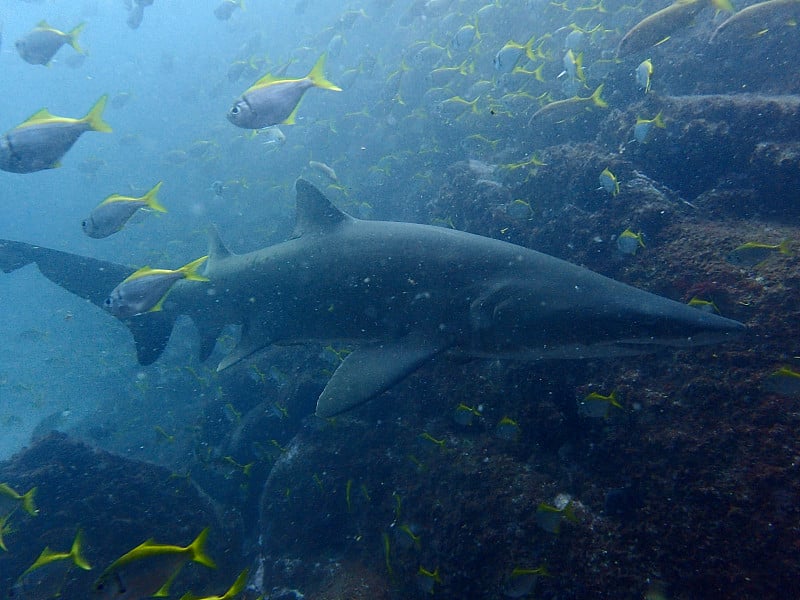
<point x="270" y="101"/>
<point x="146" y="289"/>
<point x="111" y="214"/>
<point x="39" y="46"/>
<point x="41" y="141"/>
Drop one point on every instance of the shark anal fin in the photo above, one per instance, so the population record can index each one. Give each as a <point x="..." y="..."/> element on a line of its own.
<point x="370" y="370"/>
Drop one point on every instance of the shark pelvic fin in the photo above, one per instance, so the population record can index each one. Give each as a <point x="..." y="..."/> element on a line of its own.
<point x="315" y="213"/>
<point x="370" y="370"/>
<point x="249" y="343"/>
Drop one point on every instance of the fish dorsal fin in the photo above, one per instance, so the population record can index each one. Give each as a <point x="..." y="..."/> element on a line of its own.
<point x="217" y="250"/>
<point x="315" y="213"/>
<point x="38" y="117"/>
<point x="43" y="25"/>
<point x="264" y="81"/>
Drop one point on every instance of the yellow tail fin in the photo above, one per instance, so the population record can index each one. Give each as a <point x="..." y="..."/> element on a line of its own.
<point x="190" y="272"/>
<point x="28" y="504"/>
<point x="197" y="547"/>
<point x="76" y="555"/>
<point x="73" y="38"/>
<point x="95" y="116"/>
<point x="152" y="201"/>
<point x="598" y="101"/>
<point x="317" y="76"/>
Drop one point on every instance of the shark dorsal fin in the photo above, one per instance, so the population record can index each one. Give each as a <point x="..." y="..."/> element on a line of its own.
<point x="315" y="213"/>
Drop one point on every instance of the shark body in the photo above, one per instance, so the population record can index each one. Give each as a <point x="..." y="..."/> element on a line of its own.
<point x="399" y="293"/>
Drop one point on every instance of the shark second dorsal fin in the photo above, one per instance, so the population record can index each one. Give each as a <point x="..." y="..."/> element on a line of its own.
<point x="315" y="213"/>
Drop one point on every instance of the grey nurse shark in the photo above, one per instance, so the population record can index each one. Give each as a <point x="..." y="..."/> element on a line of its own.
<point x="398" y="293"/>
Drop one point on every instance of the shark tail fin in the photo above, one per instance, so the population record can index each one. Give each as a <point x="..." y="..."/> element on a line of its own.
<point x="92" y="280"/>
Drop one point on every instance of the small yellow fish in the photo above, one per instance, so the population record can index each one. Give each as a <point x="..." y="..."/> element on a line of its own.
<point x="705" y="305"/>
<point x="561" y="110"/>
<point x="609" y="182"/>
<point x="10" y="500"/>
<point x="597" y="406"/>
<point x="643" y="127"/>
<point x="39" y="46"/>
<point x="46" y="576"/>
<point x="148" y="569"/>
<point x="270" y="101"/>
<point x="146" y="289"/>
<point x="427" y="580"/>
<point x="233" y="591"/>
<point x="549" y="517"/>
<point x="111" y="214"/>
<point x="784" y="381"/>
<point x="751" y="254"/>
<point x="644" y="72"/>
<point x="507" y="429"/>
<point x="43" y="139"/>
<point x="629" y="242"/>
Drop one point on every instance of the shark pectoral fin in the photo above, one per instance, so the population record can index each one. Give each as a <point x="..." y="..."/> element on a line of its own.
<point x="370" y="370"/>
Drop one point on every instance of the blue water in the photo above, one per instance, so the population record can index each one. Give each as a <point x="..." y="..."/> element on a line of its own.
<point x="412" y="106"/>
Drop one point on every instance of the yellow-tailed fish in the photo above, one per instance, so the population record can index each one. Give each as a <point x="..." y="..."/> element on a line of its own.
<point x="41" y="141"/>
<point x="149" y="569"/>
<point x="46" y="577"/>
<point x="39" y="46"/>
<point x="629" y="242"/>
<point x="597" y="406"/>
<point x="784" y="381"/>
<point x="10" y="500"/>
<point x="112" y="213"/>
<point x="233" y="591"/>
<point x="751" y="254"/>
<point x="609" y="182"/>
<point x="561" y="110"/>
<point x="643" y="127"/>
<point x="644" y="72"/>
<point x="270" y="101"/>
<point x="146" y="289"/>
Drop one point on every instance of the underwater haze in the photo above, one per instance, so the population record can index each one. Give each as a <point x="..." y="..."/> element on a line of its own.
<point x="654" y="143"/>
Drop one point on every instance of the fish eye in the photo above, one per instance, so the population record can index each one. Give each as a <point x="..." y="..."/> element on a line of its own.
<point x="107" y="303"/>
<point x="84" y="223"/>
<point x="235" y="110"/>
